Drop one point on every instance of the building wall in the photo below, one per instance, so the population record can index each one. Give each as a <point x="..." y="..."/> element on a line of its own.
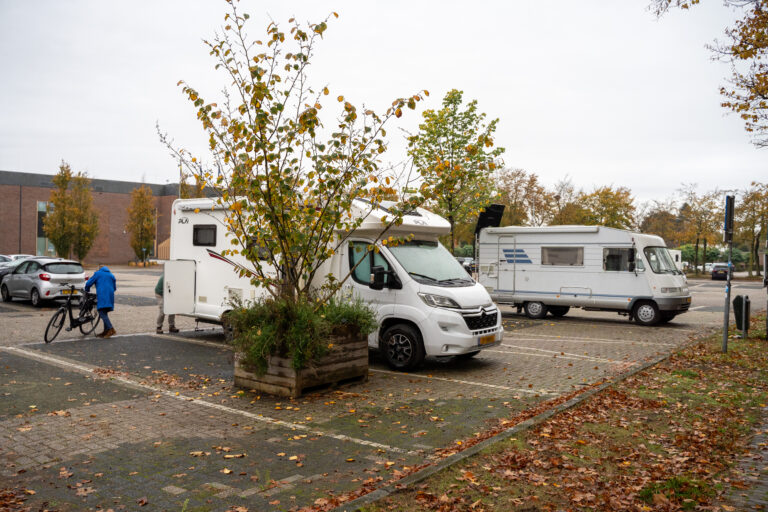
<point x="111" y="200"/>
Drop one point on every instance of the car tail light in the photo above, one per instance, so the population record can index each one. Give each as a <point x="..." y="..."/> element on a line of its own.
<point x="86" y="277"/>
<point x="44" y="276"/>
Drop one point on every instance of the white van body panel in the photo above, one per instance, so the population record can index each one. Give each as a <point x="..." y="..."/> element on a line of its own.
<point x="444" y="332"/>
<point x="511" y="268"/>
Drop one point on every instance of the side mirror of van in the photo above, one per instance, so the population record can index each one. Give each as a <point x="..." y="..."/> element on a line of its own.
<point x="378" y="276"/>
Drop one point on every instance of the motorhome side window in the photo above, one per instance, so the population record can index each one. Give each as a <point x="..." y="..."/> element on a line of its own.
<point x="616" y="259"/>
<point x="562" y="256"/>
<point x="204" y="235"/>
<point x="359" y="251"/>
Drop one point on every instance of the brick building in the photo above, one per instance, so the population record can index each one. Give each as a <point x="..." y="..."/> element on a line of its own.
<point x="23" y="197"/>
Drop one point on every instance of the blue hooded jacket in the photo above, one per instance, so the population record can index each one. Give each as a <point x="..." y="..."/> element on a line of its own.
<point x="105" y="288"/>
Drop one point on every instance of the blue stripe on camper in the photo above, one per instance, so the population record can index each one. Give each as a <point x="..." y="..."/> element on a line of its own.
<point x="516" y="256"/>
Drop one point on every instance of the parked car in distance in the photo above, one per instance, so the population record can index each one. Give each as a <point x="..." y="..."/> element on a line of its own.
<point x="720" y="271"/>
<point x="40" y="279"/>
<point x="8" y="266"/>
<point x="4" y="259"/>
<point x="20" y="256"/>
<point x="468" y="263"/>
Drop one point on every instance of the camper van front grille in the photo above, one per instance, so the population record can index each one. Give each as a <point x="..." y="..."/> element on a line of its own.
<point x="481" y="321"/>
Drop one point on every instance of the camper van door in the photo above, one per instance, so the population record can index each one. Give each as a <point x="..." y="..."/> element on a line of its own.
<point x="179" y="283"/>
<point x="509" y="257"/>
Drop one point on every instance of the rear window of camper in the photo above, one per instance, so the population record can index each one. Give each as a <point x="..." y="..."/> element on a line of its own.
<point x="563" y="256"/>
<point x="616" y="259"/>
<point x="204" y="234"/>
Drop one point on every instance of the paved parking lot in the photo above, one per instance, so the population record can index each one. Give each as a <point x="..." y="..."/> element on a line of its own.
<point x="89" y="423"/>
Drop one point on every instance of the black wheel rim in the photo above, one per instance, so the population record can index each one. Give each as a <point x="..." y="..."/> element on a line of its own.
<point x="399" y="349"/>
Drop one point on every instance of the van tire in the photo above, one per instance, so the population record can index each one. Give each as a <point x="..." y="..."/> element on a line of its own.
<point x="646" y="313"/>
<point x="402" y="347"/>
<point x="559" y="311"/>
<point x="535" y="310"/>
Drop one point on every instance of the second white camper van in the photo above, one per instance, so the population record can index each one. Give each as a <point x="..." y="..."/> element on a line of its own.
<point x="426" y="303"/>
<point x="553" y="268"/>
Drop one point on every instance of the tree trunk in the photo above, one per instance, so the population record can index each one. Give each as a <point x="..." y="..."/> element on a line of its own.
<point x="453" y="246"/>
<point x="696" y="258"/>
<point x="704" y="258"/>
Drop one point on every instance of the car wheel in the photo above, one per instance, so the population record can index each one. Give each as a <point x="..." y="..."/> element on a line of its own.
<point x="34" y="296"/>
<point x="5" y="293"/>
<point x="646" y="313"/>
<point x="559" y="311"/>
<point x="535" y="310"/>
<point x="402" y="347"/>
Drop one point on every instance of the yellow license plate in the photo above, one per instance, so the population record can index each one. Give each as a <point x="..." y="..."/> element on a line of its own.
<point x="69" y="292"/>
<point x="485" y="340"/>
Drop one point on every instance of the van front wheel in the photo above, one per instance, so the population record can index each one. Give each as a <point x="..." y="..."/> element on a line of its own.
<point x="646" y="313"/>
<point x="402" y="347"/>
<point x="535" y="310"/>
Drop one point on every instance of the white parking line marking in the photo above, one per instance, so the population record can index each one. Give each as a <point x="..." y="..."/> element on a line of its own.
<point x="470" y="383"/>
<point x="531" y="354"/>
<point x="697" y="307"/>
<point x="530" y="337"/>
<point x="585" y="358"/>
<point x="171" y="394"/>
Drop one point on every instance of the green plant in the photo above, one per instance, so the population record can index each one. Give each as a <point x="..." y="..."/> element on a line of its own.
<point x="295" y="330"/>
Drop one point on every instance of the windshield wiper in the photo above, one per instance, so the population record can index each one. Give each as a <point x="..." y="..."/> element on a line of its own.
<point x="425" y="277"/>
<point x="456" y="279"/>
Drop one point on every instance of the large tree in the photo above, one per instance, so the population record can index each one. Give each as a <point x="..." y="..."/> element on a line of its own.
<point x="141" y="221"/>
<point x="751" y="219"/>
<point x="746" y="47"/>
<point x="71" y="222"/>
<point x="454" y="151"/>
<point x="700" y="214"/>
<point x="662" y="219"/>
<point x="526" y="200"/>
<point x="609" y="206"/>
<point x="294" y="171"/>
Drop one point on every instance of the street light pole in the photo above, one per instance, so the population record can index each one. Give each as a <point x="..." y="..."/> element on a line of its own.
<point x="728" y="237"/>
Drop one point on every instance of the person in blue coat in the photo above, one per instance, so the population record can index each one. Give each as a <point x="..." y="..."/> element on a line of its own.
<point x="105" y="284"/>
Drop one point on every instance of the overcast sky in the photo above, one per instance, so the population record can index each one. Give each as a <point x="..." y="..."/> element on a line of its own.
<point x="598" y="90"/>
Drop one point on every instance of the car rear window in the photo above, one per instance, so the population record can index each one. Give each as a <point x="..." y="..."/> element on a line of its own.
<point x="64" y="268"/>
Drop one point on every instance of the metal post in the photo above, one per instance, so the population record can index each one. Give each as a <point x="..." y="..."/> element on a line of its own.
<point x="730" y="203"/>
<point x="727" y="309"/>
<point x="745" y="318"/>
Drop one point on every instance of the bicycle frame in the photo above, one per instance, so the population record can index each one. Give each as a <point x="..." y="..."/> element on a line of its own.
<point x="74" y="321"/>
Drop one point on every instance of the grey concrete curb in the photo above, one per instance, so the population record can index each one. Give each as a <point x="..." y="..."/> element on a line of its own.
<point x="420" y="475"/>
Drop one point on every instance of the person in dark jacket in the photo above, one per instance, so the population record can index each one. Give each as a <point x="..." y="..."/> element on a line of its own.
<point x="161" y="313"/>
<point x="105" y="284"/>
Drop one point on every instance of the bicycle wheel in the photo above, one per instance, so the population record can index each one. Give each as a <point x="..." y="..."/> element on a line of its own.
<point x="90" y="314"/>
<point x="55" y="324"/>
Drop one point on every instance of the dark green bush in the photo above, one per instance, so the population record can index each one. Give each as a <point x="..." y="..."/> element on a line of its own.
<point x="295" y="330"/>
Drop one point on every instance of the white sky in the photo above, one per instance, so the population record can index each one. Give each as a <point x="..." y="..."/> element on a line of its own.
<point x="598" y="90"/>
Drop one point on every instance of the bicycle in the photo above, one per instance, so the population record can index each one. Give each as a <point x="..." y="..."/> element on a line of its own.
<point x="87" y="318"/>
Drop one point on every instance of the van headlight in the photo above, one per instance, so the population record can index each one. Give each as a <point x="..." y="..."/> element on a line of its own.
<point x="671" y="289"/>
<point x="438" y="301"/>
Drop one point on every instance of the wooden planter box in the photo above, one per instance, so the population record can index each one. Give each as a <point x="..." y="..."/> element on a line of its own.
<point x="347" y="359"/>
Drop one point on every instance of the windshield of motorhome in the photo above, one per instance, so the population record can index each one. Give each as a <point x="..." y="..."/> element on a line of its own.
<point x="430" y="262"/>
<point x="660" y="260"/>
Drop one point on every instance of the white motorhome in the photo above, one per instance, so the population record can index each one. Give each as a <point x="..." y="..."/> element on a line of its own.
<point x="426" y="303"/>
<point x="677" y="257"/>
<point x="551" y="269"/>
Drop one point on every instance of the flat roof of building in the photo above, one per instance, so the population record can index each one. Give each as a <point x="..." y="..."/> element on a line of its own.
<point x="29" y="179"/>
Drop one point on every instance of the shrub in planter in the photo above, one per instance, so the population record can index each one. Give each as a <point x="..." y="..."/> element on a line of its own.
<point x="284" y="347"/>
